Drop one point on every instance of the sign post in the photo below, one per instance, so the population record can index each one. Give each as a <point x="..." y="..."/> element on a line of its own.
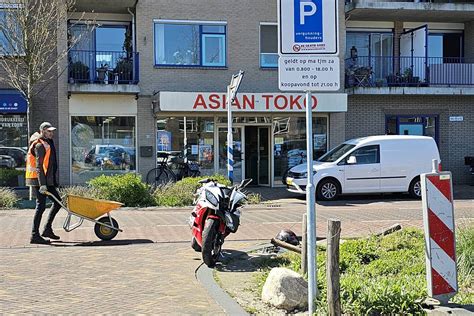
<point x="308" y="32"/>
<point x="232" y="89"/>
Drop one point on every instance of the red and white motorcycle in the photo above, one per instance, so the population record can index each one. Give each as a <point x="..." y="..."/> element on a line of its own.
<point x="216" y="214"/>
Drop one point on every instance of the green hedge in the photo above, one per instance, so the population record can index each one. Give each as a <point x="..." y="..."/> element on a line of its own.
<point x="8" y="198"/>
<point x="9" y="177"/>
<point x="181" y="193"/>
<point x="126" y="188"/>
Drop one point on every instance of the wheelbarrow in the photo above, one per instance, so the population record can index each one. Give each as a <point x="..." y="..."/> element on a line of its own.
<point x="106" y="228"/>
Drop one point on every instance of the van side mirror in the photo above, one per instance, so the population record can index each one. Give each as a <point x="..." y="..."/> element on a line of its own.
<point x="352" y="160"/>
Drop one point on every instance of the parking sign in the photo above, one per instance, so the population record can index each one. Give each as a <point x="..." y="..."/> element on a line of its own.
<point x="308" y="27"/>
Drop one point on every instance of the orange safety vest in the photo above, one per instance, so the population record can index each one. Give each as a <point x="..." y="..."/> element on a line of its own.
<point x="31" y="171"/>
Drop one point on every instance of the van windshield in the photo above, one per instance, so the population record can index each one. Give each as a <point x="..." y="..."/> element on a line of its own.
<point x="336" y="153"/>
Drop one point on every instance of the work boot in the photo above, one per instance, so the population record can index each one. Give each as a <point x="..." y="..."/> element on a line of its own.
<point x="37" y="239"/>
<point x="48" y="232"/>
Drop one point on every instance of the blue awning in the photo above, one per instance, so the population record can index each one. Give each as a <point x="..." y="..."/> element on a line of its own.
<point x="11" y="101"/>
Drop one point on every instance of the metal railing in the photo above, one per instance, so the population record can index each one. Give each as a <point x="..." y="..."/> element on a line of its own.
<point x="106" y="67"/>
<point x="396" y="71"/>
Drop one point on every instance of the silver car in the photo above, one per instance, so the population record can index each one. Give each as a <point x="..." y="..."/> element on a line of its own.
<point x="7" y="162"/>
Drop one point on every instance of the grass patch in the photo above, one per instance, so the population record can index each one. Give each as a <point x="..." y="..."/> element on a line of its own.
<point x="8" y="198"/>
<point x="384" y="275"/>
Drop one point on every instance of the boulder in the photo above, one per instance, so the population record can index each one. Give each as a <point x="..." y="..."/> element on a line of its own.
<point x="285" y="289"/>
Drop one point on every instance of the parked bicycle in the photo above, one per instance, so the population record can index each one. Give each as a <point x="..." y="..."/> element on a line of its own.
<point x="171" y="168"/>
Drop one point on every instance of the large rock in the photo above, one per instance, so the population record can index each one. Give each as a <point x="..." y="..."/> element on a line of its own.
<point x="285" y="289"/>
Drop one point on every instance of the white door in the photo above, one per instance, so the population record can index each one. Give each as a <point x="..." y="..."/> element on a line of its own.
<point x="363" y="175"/>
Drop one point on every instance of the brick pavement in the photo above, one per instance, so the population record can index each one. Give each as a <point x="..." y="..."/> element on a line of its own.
<point x="149" y="268"/>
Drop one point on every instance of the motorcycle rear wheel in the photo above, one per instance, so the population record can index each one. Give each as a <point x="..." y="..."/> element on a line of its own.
<point x="211" y="244"/>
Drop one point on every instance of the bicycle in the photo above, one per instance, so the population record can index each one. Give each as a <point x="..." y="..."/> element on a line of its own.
<point x="164" y="174"/>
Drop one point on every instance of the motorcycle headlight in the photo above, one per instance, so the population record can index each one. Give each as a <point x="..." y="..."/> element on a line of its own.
<point x="211" y="198"/>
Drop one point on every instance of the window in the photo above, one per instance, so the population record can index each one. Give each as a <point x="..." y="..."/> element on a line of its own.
<point x="10" y="43"/>
<point x="102" y="145"/>
<point x="367" y="155"/>
<point x="445" y="48"/>
<point x="268" y="46"/>
<point x="186" y="44"/>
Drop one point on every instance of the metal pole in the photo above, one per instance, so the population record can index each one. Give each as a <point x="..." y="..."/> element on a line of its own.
<point x="230" y="151"/>
<point x="185" y="151"/>
<point x="310" y="207"/>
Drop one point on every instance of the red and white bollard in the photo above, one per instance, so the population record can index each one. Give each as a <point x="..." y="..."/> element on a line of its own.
<point x="440" y="241"/>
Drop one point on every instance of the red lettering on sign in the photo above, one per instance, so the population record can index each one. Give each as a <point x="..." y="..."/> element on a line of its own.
<point x="295" y="102"/>
<point x="199" y="102"/>
<point x="277" y="105"/>
<point x="214" y="101"/>
<point x="249" y="102"/>
<point x="267" y="101"/>
<point x="315" y="102"/>
<point x="236" y="103"/>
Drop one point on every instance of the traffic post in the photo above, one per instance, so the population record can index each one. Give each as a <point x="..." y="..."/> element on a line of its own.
<point x="232" y="89"/>
<point x="308" y="35"/>
<point x="440" y="241"/>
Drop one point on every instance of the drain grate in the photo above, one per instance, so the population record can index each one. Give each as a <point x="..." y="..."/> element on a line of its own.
<point x="273" y="205"/>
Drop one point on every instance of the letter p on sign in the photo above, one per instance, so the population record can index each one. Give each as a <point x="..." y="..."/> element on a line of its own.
<point x="304" y="13"/>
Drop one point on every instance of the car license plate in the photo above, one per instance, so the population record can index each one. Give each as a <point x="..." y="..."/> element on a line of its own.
<point x="289" y="181"/>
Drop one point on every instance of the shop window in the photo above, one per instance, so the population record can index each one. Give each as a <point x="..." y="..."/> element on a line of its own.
<point x="102" y="145"/>
<point x="423" y="125"/>
<point x="188" y="44"/>
<point x="13" y="149"/>
<point x="200" y="139"/>
<point x="290" y="142"/>
<point x="268" y="46"/>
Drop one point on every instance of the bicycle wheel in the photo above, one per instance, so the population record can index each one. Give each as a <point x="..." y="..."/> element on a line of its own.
<point x="159" y="176"/>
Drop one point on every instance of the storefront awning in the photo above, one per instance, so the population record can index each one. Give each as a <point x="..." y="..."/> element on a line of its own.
<point x="11" y="101"/>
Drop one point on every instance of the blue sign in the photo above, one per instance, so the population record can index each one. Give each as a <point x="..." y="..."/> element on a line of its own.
<point x="308" y="21"/>
<point x="12" y="102"/>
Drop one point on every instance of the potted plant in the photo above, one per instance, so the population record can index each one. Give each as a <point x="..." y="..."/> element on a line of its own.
<point x="393" y="80"/>
<point x="78" y="71"/>
<point x="379" y="82"/>
<point x="124" y="70"/>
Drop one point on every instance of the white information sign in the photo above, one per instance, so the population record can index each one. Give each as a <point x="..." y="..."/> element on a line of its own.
<point x="308" y="73"/>
<point x="308" y="27"/>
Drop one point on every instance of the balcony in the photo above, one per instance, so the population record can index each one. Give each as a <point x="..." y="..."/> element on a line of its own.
<point x="415" y="72"/>
<point x="103" y="71"/>
<point x="415" y="11"/>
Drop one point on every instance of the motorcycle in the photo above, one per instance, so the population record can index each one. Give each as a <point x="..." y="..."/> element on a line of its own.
<point x="216" y="214"/>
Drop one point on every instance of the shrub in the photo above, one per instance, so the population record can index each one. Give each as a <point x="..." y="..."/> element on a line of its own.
<point x="465" y="255"/>
<point x="85" y="191"/>
<point x="9" y="177"/>
<point x="182" y="192"/>
<point x="254" y="198"/>
<point x="8" y="198"/>
<point x="126" y="188"/>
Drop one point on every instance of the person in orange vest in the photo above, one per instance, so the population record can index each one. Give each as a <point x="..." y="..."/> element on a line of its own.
<point x="41" y="172"/>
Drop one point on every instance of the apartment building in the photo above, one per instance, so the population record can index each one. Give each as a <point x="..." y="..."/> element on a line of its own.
<point x="152" y="76"/>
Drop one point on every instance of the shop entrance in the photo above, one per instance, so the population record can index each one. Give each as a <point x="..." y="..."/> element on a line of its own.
<point x="257" y="154"/>
<point x="251" y="153"/>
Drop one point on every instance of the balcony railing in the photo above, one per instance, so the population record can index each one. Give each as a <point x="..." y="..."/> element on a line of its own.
<point x="379" y="71"/>
<point x="103" y="67"/>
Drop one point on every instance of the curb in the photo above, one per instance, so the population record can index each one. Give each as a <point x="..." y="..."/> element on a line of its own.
<point x="230" y="306"/>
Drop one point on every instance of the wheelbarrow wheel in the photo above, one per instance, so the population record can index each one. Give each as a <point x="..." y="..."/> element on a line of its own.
<point x="104" y="232"/>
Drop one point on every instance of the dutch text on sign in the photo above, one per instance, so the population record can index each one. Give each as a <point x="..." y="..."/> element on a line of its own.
<point x="308" y="73"/>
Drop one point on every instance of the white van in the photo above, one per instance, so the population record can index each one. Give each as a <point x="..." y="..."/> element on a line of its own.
<point x="374" y="164"/>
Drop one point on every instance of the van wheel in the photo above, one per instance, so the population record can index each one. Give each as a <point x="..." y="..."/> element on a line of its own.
<point x="327" y="190"/>
<point x="415" y="188"/>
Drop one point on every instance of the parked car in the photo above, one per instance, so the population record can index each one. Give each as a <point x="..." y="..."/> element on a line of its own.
<point x="116" y="154"/>
<point x="374" y="164"/>
<point x="7" y="162"/>
<point x="19" y="154"/>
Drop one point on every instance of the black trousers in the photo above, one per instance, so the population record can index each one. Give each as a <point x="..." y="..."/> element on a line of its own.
<point x="41" y="206"/>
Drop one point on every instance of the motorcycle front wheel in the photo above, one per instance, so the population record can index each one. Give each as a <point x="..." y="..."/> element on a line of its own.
<point x="211" y="244"/>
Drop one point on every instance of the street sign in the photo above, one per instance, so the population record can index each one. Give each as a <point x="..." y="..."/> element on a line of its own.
<point x="308" y="73"/>
<point x="308" y="27"/>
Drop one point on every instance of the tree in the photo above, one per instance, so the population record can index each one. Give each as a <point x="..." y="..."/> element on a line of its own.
<point x="29" y="52"/>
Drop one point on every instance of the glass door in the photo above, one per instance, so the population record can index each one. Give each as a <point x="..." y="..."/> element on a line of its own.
<point x="381" y="55"/>
<point x="263" y="156"/>
<point x="237" y="137"/>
